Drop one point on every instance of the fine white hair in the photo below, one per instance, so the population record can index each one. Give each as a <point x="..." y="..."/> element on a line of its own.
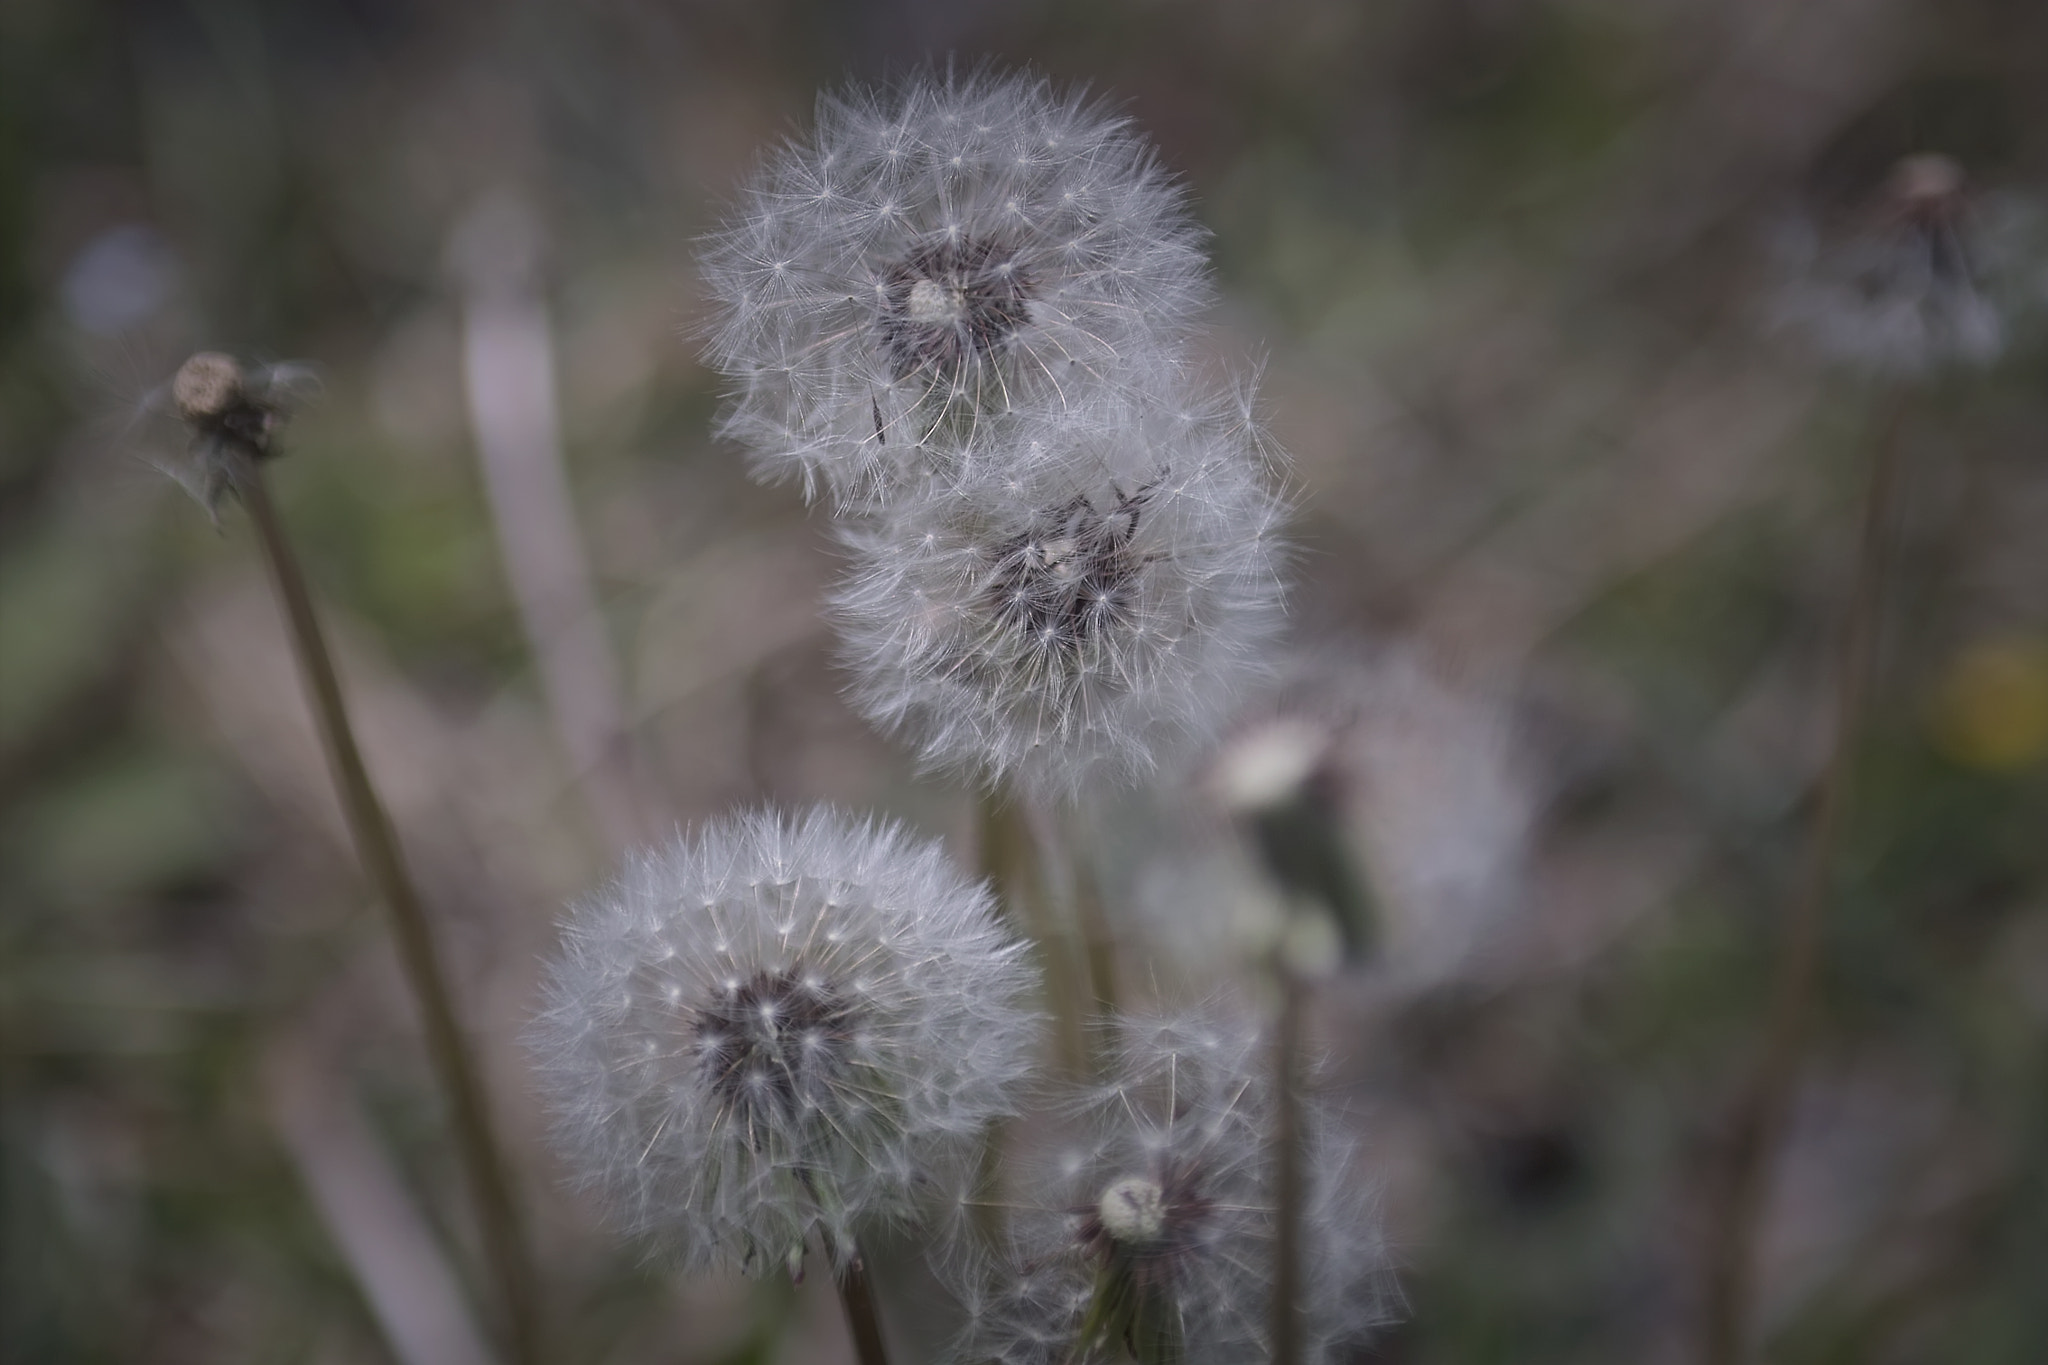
<point x="1186" y="1114"/>
<point x="931" y="254"/>
<point x="783" y="1026"/>
<point x="1084" y="600"/>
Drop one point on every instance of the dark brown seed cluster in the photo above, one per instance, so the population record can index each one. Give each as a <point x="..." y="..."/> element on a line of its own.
<point x="950" y="305"/>
<point x="775" y="1041"/>
<point x="1071" y="575"/>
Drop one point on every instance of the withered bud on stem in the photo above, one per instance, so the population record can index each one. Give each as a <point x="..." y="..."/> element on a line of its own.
<point x="227" y="409"/>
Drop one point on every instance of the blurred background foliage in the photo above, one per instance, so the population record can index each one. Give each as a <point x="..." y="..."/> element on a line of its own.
<point x="1505" y="265"/>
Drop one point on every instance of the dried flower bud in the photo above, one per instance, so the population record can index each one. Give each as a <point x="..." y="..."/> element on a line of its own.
<point x="223" y="410"/>
<point x="207" y="387"/>
<point x="785" y="1026"/>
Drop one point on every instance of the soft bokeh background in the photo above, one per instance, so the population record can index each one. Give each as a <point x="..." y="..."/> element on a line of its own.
<point x="1576" y="528"/>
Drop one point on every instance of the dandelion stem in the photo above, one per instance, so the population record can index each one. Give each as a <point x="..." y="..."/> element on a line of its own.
<point x="377" y="845"/>
<point x="857" y="1297"/>
<point x="990" y="1218"/>
<point x="1764" y="1104"/>
<point x="509" y="379"/>
<point x="1009" y="859"/>
<point x="1097" y="944"/>
<point x="1287" y="1169"/>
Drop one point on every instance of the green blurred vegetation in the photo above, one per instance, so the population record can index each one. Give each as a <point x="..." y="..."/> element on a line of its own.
<point x="1500" y="260"/>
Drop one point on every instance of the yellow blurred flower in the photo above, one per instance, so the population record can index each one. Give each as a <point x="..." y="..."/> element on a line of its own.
<point x="1991" y="707"/>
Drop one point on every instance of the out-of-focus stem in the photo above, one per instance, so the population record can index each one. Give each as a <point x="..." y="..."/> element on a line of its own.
<point x="989" y="1219"/>
<point x="857" y="1297"/>
<point x="406" y="1281"/>
<point x="509" y="380"/>
<point x="1288" y="1193"/>
<point x="1765" y="1102"/>
<point x="1098" y="946"/>
<point x="377" y="845"/>
<point x="1009" y="859"/>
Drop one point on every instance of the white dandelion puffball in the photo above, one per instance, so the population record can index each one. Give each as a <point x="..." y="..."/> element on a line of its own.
<point x="1074" y="617"/>
<point x="927" y="256"/>
<point x="1146" y="1232"/>
<point x="784" y="1025"/>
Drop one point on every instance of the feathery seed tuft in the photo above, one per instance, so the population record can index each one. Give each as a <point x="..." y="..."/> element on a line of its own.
<point x="932" y="255"/>
<point x="783" y="1027"/>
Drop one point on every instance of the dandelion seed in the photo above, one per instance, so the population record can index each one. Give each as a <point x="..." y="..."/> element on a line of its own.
<point x="786" y="1026"/>
<point x="930" y="256"/>
<point x="1078" y="622"/>
<point x="1144" y="1229"/>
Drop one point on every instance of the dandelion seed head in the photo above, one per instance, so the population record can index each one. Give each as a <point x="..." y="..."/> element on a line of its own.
<point x="783" y="1026"/>
<point x="930" y="255"/>
<point x="1900" y="284"/>
<point x="1073" y="615"/>
<point x="1144" y="1227"/>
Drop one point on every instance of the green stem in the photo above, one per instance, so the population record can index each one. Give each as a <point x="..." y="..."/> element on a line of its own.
<point x="1765" y="1103"/>
<point x="857" y="1297"/>
<point x="1288" y="1193"/>
<point x="990" y="1219"/>
<point x="1009" y="859"/>
<point x="1098" y="946"/>
<point x="377" y="845"/>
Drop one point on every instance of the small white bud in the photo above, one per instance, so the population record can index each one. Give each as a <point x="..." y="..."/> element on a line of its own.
<point x="1133" y="1210"/>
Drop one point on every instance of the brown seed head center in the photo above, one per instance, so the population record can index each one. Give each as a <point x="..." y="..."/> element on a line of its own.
<point x="1070" y="575"/>
<point x="776" y="1042"/>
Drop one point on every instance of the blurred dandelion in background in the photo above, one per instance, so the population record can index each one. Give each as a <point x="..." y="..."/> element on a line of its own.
<point x="1904" y="282"/>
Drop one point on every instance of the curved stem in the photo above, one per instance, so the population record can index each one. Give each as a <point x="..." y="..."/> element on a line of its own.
<point x="1764" y="1105"/>
<point x="377" y="845"/>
